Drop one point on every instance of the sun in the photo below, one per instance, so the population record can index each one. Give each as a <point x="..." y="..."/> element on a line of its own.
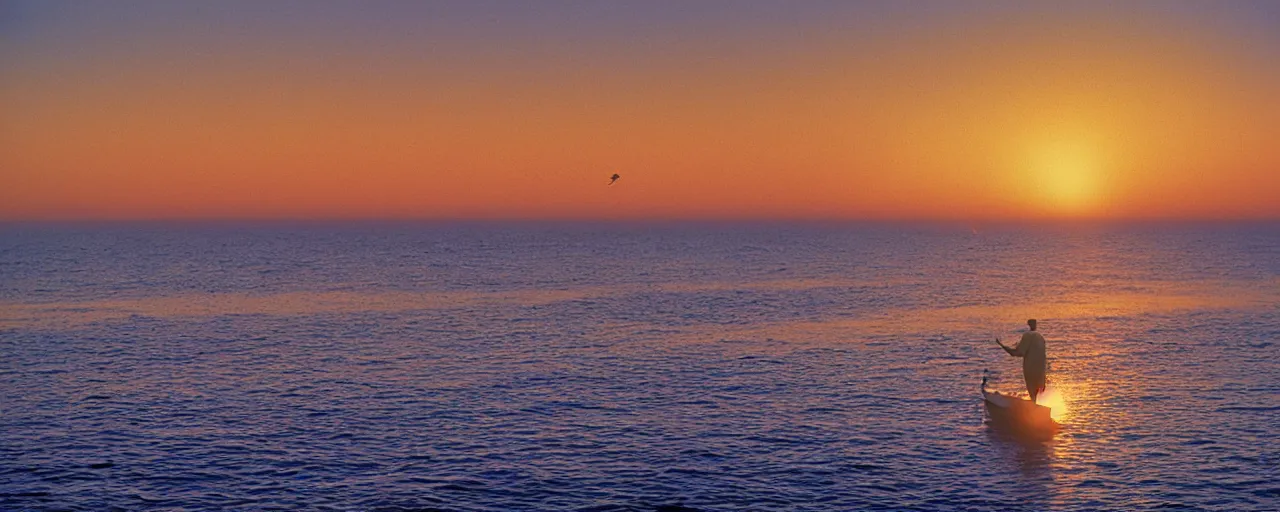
<point x="1067" y="179"/>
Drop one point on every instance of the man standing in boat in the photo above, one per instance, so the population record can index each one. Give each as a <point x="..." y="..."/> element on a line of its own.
<point x="1034" y="361"/>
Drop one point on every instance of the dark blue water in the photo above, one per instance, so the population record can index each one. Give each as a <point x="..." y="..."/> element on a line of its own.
<point x="632" y="367"/>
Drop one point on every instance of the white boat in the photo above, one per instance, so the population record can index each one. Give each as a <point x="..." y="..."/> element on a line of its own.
<point x="1017" y="414"/>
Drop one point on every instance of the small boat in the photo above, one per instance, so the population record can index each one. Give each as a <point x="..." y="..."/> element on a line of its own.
<point x="1019" y="415"/>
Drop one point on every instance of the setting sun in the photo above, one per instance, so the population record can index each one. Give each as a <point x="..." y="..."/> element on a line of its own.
<point x="1066" y="177"/>
<point x="639" y="255"/>
<point x="846" y="111"/>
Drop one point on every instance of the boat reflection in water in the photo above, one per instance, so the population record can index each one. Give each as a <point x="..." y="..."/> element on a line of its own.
<point x="1020" y="417"/>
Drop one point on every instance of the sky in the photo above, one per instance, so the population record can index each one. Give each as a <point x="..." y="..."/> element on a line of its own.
<point x="708" y="110"/>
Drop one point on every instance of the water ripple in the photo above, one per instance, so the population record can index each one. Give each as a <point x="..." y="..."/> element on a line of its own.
<point x="577" y="369"/>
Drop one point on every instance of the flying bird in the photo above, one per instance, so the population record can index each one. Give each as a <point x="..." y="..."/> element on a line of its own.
<point x="614" y="178"/>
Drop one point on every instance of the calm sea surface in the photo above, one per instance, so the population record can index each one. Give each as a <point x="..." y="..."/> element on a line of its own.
<point x="633" y="367"/>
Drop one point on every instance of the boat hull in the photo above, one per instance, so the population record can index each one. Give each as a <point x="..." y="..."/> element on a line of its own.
<point x="1018" y="414"/>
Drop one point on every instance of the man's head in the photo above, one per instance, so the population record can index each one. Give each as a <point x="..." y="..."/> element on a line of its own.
<point x="1032" y="324"/>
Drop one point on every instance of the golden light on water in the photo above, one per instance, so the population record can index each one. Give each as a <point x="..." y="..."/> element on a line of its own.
<point x="1053" y="399"/>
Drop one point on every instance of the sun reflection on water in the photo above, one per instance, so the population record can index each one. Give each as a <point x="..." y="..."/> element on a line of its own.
<point x="1055" y="401"/>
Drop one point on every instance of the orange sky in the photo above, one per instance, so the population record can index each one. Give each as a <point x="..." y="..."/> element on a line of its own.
<point x="1003" y="114"/>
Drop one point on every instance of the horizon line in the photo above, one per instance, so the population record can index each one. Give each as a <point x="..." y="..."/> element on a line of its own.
<point x="633" y="220"/>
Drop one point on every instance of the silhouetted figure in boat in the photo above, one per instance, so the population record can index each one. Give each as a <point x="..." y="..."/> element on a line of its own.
<point x="1034" y="361"/>
<point x="614" y="178"/>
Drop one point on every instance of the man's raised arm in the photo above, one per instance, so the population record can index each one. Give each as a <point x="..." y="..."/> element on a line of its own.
<point x="1015" y="351"/>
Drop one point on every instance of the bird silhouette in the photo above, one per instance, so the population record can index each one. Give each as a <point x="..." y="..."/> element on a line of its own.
<point x="614" y="178"/>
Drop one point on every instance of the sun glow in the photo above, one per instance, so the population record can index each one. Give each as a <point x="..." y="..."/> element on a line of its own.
<point x="1054" y="400"/>
<point x="1067" y="179"/>
<point x="1107" y="111"/>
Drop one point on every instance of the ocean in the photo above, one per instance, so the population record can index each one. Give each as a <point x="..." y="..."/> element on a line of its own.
<point x="475" y="366"/>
